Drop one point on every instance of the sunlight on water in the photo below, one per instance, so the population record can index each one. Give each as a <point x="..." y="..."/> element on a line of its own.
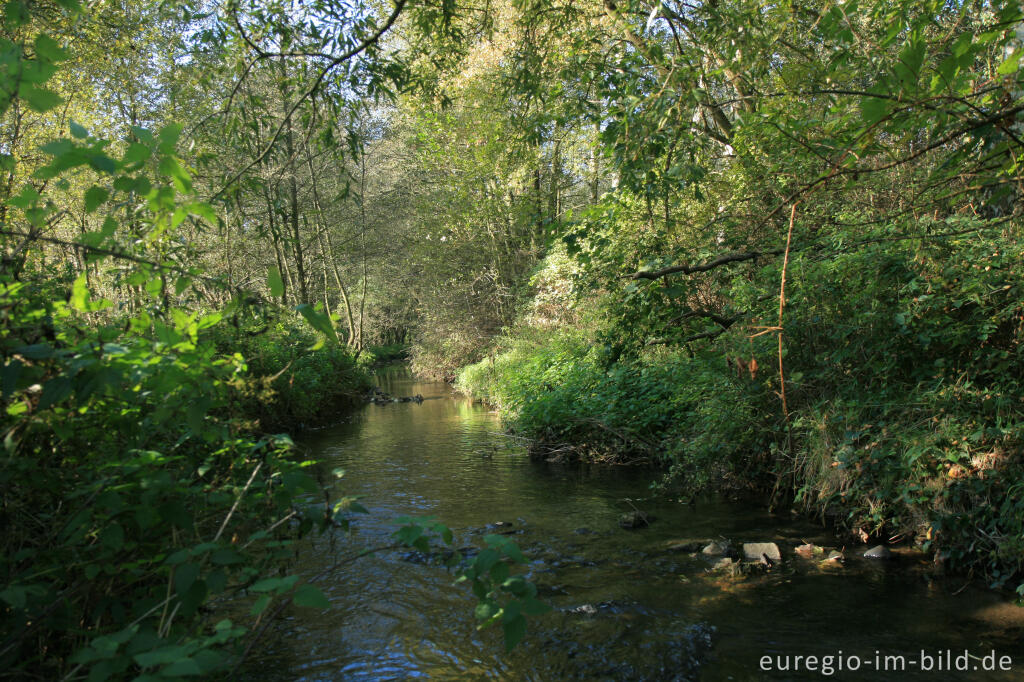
<point x="626" y="606"/>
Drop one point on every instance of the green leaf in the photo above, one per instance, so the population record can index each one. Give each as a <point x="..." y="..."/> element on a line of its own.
<point x="226" y="556"/>
<point x="15" y="14"/>
<point x="316" y="319"/>
<point x="194" y="597"/>
<point x="136" y="153"/>
<point x="274" y="584"/>
<point x="47" y="48"/>
<point x="185" y="667"/>
<point x="102" y="163"/>
<point x="275" y="283"/>
<point x="58" y="147"/>
<point x="39" y="99"/>
<point x="184" y="577"/>
<point x="78" y="131"/>
<point x="25" y="198"/>
<point x="35" y="351"/>
<point x="94" y="196"/>
<point x="54" y="391"/>
<point x="80" y="293"/>
<point x="155" y="287"/>
<point x="169" y="135"/>
<point x="534" y="607"/>
<point x="142" y="134"/>
<point x="260" y="605"/>
<point x="310" y="596"/>
<point x="486" y="610"/>
<point x="112" y="537"/>
<point x="515" y="630"/>
<point x="910" y="60"/>
<point x="204" y="211"/>
<point x="9" y="377"/>
<point x="873" y="109"/>
<point x="1011" y="64"/>
<point x="170" y="167"/>
<point x="162" y="656"/>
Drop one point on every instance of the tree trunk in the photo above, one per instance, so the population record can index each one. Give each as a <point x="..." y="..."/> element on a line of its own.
<point x="327" y="254"/>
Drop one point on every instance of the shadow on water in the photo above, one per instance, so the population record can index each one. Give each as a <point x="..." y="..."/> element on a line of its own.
<point x="626" y="605"/>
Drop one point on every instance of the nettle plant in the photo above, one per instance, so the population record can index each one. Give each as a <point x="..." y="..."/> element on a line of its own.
<point x="135" y="505"/>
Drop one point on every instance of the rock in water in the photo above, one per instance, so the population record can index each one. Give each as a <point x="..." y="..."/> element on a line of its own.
<point x="634" y="520"/>
<point x="689" y="546"/>
<point x="878" y="552"/>
<point x="717" y="549"/>
<point x="759" y="551"/>
<point x="810" y="550"/>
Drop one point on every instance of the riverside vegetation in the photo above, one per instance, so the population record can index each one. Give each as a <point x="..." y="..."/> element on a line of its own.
<point x="772" y="247"/>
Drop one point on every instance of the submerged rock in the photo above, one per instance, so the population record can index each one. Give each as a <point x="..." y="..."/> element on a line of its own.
<point x="717" y="549"/>
<point x="634" y="520"/>
<point x="878" y="552"/>
<point x="835" y="557"/>
<point x="764" y="552"/>
<point x="499" y="525"/>
<point x="689" y="546"/>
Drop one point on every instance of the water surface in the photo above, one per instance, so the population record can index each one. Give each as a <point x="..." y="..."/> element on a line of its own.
<point x="626" y="606"/>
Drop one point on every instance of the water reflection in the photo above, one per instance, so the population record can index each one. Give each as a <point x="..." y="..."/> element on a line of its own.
<point x="626" y="606"/>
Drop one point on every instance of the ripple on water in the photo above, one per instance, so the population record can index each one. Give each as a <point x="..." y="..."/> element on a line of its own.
<point x="626" y="605"/>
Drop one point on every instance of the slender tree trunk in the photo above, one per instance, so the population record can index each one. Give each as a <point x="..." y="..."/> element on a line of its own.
<point x="327" y="254"/>
<point x="362" y="235"/>
<point x="282" y="262"/>
<point x="293" y="192"/>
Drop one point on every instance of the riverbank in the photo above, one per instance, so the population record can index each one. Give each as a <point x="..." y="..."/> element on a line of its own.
<point x="902" y="416"/>
<point x="286" y="385"/>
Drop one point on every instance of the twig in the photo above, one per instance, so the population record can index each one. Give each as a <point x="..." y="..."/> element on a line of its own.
<point x="238" y="500"/>
<point x="782" y="305"/>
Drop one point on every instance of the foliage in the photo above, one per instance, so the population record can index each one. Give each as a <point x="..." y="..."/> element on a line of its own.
<point x="903" y="369"/>
<point x="288" y="382"/>
<point x="138" y="497"/>
<point x="501" y="596"/>
<point x="132" y="501"/>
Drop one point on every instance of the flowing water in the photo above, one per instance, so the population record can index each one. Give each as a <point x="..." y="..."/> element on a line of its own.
<point x="626" y="605"/>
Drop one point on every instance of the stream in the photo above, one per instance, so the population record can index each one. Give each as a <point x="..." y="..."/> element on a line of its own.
<point x="627" y="604"/>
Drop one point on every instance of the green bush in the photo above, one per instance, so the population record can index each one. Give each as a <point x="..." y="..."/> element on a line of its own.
<point x="132" y="501"/>
<point x="904" y="370"/>
<point x="285" y="383"/>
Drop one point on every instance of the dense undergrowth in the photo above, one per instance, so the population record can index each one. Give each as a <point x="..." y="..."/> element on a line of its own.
<point x="140" y="490"/>
<point x="903" y="374"/>
<point x="288" y="385"/>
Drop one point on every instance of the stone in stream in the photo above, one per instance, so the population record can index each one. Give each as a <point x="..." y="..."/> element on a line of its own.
<point x="635" y="519"/>
<point x="499" y="526"/>
<point x="834" y="557"/>
<point x="688" y="546"/>
<point x="878" y="552"/>
<point x="765" y="552"/>
<point x="717" y="549"/>
<point x="810" y="550"/>
<point x="585" y="610"/>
